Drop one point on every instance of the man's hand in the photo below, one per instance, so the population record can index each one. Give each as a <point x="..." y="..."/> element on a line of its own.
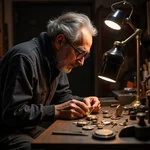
<point x="93" y="102"/>
<point x="72" y="109"/>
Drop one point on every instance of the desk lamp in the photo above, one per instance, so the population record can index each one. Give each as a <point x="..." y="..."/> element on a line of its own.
<point x="113" y="59"/>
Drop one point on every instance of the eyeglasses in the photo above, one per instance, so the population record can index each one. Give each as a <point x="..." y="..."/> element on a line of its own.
<point x="80" y="54"/>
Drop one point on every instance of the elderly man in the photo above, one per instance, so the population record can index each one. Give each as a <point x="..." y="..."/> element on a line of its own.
<point x="34" y="87"/>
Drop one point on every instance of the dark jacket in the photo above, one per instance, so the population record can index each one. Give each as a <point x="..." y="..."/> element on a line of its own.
<point x="30" y="84"/>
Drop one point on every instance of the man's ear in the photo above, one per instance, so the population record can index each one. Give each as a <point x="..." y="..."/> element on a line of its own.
<point x="59" y="41"/>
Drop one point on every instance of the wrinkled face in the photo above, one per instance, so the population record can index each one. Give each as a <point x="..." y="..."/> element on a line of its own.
<point x="70" y="55"/>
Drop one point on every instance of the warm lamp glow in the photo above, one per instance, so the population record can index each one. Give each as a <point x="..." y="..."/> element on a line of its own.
<point x="113" y="61"/>
<point x="112" y="25"/>
<point x="115" y="19"/>
<point x="107" y="79"/>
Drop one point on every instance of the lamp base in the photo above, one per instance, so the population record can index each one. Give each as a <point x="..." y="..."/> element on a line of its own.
<point x="140" y="131"/>
<point x="134" y="104"/>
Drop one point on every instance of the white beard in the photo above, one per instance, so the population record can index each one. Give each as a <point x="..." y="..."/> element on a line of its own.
<point x="65" y="70"/>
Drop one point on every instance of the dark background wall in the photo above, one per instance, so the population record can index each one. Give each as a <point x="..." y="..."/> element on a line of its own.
<point x="31" y="19"/>
<point x="24" y="19"/>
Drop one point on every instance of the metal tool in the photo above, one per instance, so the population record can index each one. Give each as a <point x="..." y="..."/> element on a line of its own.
<point x="81" y="133"/>
<point x="114" y="124"/>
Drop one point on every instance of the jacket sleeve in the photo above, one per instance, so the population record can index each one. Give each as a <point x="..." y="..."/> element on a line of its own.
<point x="63" y="92"/>
<point x="17" y="100"/>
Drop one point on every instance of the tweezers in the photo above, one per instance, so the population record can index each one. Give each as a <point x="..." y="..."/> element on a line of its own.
<point x="81" y="133"/>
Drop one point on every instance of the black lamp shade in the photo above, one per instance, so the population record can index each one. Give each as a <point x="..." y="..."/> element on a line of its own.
<point x="115" y="19"/>
<point x="113" y="61"/>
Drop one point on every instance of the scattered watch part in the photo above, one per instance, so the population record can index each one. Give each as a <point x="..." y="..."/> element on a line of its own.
<point x="82" y="123"/>
<point x="113" y="124"/>
<point x="94" y="121"/>
<point x="119" y="110"/>
<point x="123" y="123"/>
<point x="88" y="127"/>
<point x="114" y="117"/>
<point x="89" y="111"/>
<point x="105" y="111"/>
<point x="105" y="122"/>
<point x="75" y="122"/>
<point x="100" y="126"/>
<point x="91" y="117"/>
<point x="107" y="115"/>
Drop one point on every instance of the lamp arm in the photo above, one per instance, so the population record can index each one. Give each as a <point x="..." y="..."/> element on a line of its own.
<point x="129" y="22"/>
<point x="123" y="43"/>
<point x="137" y="31"/>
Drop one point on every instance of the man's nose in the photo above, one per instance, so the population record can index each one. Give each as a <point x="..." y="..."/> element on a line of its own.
<point x="81" y="61"/>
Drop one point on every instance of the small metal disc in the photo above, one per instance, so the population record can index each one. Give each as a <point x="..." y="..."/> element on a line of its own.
<point x="106" y="122"/>
<point x="94" y="121"/>
<point x="123" y="124"/>
<point x="107" y="115"/>
<point x="91" y="117"/>
<point x="88" y="127"/>
<point x="115" y="117"/>
<point x="75" y="122"/>
<point x="100" y="126"/>
<point x="104" y="132"/>
<point x="105" y="111"/>
<point x="82" y="123"/>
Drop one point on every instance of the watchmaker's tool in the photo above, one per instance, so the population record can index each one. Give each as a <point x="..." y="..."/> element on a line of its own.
<point x="80" y="133"/>
<point x="89" y="111"/>
<point x="113" y="124"/>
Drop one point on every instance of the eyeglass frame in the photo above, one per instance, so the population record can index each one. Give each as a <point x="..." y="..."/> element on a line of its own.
<point x="79" y="55"/>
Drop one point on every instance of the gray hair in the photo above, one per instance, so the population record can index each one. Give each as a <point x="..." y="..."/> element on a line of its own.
<point x="70" y="24"/>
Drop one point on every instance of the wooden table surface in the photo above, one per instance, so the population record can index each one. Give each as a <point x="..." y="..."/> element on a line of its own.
<point x="47" y="140"/>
